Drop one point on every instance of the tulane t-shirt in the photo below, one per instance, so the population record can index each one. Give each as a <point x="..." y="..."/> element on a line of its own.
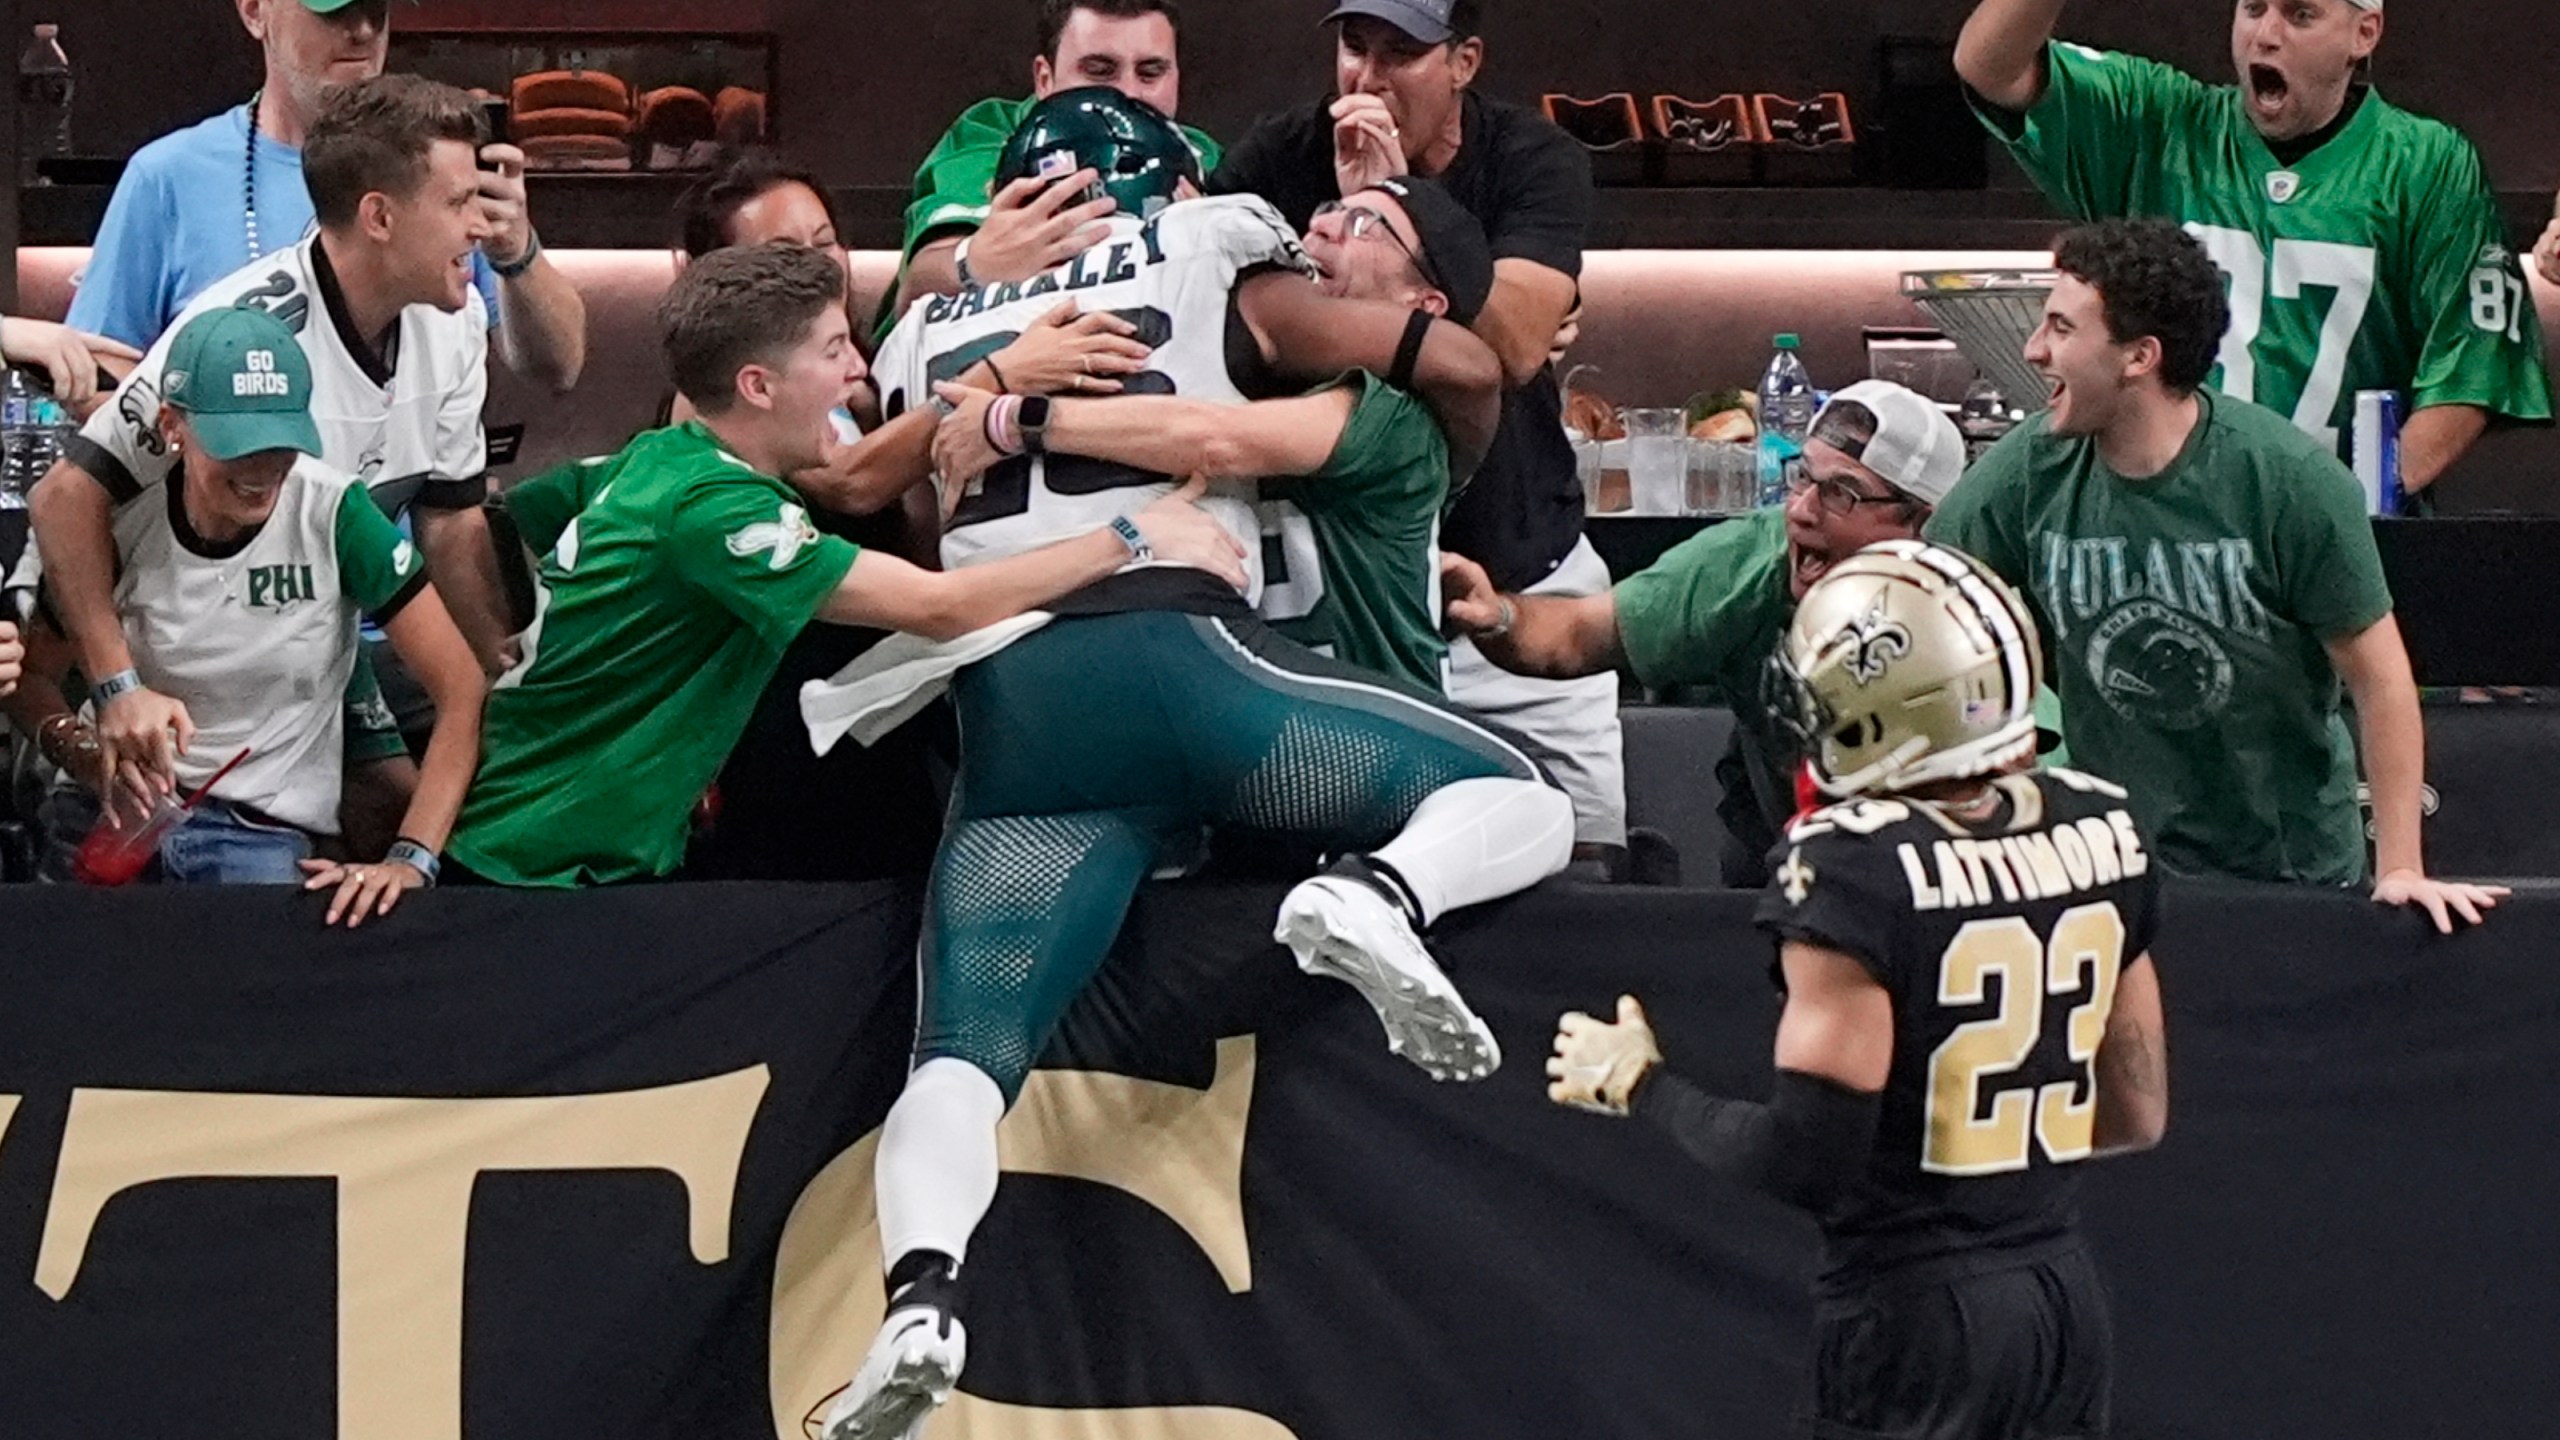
<point x="2186" y="617"/>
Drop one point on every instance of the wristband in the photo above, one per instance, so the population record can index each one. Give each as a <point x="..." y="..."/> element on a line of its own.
<point x="405" y="851"/>
<point x="524" y="262"/>
<point x="999" y="424"/>
<point x="1409" y="350"/>
<point x="123" y="682"/>
<point x="1127" y="529"/>
<point x="51" y="744"/>
<point x="1502" y="627"/>
<point x="960" y="262"/>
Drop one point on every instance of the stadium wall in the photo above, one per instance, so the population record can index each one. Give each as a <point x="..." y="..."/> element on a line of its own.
<point x="514" y="1165"/>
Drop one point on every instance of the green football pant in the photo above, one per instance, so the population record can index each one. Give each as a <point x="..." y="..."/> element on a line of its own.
<point x="1098" y="748"/>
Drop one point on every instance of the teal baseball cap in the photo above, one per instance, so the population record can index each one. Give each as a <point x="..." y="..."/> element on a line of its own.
<point x="243" y="383"/>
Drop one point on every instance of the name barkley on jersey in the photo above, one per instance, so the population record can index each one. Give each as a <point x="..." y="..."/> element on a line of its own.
<point x="1107" y="264"/>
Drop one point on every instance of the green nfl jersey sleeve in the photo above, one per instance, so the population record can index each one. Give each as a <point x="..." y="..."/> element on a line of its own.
<point x="377" y="566"/>
<point x="1354" y="572"/>
<point x="2478" y="338"/>
<point x="543" y="505"/>
<point x="2088" y="143"/>
<point x="746" y="544"/>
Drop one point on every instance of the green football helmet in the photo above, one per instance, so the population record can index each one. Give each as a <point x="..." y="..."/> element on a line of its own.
<point x="1139" y="156"/>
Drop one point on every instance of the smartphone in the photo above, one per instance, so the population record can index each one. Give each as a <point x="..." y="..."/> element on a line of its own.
<point x="496" y="116"/>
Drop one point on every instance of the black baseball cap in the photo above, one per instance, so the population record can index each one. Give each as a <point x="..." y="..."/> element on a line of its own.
<point x="1453" y="243"/>
<point x="1429" y="21"/>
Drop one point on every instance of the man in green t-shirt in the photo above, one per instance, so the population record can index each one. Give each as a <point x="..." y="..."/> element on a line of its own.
<point x="961" y="230"/>
<point x="2205" y="577"/>
<point x="2362" y="245"/>
<point x="1710" y="613"/>
<point x="1354" y="476"/>
<point x="675" y="573"/>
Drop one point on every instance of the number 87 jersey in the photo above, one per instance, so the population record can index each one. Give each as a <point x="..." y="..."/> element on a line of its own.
<point x="1171" y="277"/>
<point x="2000" y="943"/>
<point x="2378" y="261"/>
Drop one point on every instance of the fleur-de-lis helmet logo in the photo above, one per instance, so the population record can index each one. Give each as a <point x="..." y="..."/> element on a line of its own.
<point x="1876" y="641"/>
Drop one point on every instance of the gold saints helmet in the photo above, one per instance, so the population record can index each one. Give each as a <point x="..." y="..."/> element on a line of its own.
<point x="1909" y="663"/>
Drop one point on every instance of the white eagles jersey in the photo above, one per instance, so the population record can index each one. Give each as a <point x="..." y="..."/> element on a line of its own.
<point x="413" y="435"/>
<point x="257" y="639"/>
<point x="1172" y="277"/>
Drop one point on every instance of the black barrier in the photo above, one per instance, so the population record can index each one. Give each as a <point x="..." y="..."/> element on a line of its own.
<point x="667" y="1099"/>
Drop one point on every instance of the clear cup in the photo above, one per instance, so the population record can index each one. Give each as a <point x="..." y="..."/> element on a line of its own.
<point x="116" y="854"/>
<point x="1657" y="461"/>
<point x="1723" y="474"/>
<point x="1586" y="469"/>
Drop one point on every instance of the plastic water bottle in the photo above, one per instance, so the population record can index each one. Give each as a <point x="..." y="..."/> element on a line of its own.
<point x="31" y="426"/>
<point x="44" y="102"/>
<point x="1786" y="413"/>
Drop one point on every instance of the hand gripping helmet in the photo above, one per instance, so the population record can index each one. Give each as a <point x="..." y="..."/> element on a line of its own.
<point x="1909" y="663"/>
<point x="1139" y="155"/>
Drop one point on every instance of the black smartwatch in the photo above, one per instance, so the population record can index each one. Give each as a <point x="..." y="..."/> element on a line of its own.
<point x="1031" y="423"/>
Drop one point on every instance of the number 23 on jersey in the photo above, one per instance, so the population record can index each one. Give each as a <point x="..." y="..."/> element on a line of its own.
<point x="1976" y="1126"/>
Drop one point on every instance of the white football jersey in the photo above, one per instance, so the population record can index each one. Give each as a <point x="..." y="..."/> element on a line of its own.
<point x="257" y="639"/>
<point x="399" y="433"/>
<point x="1172" y="277"/>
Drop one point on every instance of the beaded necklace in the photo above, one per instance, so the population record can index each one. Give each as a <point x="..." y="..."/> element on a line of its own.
<point x="249" y="180"/>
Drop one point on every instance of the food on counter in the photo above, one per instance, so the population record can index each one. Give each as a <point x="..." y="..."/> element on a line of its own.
<point x="1594" y="416"/>
<point x="571" y="90"/>
<point x="1734" y="425"/>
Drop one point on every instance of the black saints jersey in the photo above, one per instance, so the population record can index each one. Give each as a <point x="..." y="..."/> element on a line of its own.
<point x="2000" y="942"/>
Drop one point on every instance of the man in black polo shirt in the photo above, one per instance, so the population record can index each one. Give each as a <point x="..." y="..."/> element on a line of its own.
<point x="1403" y="68"/>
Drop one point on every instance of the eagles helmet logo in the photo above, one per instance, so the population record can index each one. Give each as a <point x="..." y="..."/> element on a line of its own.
<point x="785" y="536"/>
<point x="1876" y="642"/>
<point x="138" y="406"/>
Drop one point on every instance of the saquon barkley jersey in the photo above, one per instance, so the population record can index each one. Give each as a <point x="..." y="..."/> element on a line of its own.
<point x="412" y="435"/>
<point x="2001" y="943"/>
<point x="1171" y="277"/>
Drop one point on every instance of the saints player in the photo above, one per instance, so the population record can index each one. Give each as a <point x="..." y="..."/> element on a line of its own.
<point x="1099" y="741"/>
<point x="380" y="298"/>
<point x="1971" y="1012"/>
<point x="2361" y="244"/>
<point x="1354" y="476"/>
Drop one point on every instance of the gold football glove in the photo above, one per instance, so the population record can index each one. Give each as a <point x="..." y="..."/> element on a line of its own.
<point x="1597" y="1064"/>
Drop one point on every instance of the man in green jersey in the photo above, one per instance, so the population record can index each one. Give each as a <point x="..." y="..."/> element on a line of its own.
<point x="682" y="568"/>
<point x="962" y="229"/>
<point x="2362" y="244"/>
<point x="2205" y="577"/>
<point x="1354" y="476"/>
<point x="1710" y="613"/>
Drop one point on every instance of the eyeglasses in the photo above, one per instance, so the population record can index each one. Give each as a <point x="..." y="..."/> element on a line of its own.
<point x="1837" y="496"/>
<point x="1362" y="221"/>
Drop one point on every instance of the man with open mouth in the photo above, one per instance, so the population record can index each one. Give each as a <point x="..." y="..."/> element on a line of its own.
<point x="2361" y="245"/>
<point x="1708" y="615"/>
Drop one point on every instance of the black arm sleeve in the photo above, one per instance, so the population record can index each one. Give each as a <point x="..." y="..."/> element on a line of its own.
<point x="1808" y="1146"/>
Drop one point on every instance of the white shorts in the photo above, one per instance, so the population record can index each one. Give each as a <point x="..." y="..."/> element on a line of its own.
<point x="1574" y="721"/>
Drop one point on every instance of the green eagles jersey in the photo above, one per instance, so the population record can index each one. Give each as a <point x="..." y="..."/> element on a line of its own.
<point x="672" y="578"/>
<point x="2185" y="618"/>
<point x="1350" y="553"/>
<point x="957" y="177"/>
<point x="2376" y="262"/>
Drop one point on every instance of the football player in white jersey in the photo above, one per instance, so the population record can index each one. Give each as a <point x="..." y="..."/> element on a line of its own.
<point x="239" y="591"/>
<point x="381" y="300"/>
<point x="1103" y="737"/>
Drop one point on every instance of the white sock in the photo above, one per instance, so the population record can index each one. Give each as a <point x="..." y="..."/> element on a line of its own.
<point x="1479" y="840"/>
<point x="937" y="1167"/>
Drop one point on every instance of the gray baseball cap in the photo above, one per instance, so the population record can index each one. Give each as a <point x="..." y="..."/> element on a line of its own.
<point x="1424" y="20"/>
